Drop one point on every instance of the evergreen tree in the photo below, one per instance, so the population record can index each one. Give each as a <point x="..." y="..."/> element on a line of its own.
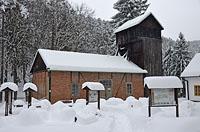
<point x="167" y="61"/>
<point x="127" y="10"/>
<point x="181" y="56"/>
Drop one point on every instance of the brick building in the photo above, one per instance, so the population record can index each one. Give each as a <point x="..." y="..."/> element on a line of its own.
<point x="60" y="74"/>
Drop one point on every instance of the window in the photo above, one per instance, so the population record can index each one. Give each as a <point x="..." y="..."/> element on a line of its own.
<point x="108" y="88"/>
<point x="75" y="89"/>
<point x="197" y="90"/>
<point x="129" y="89"/>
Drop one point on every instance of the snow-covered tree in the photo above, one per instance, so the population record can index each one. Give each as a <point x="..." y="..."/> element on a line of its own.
<point x="128" y="9"/>
<point x="181" y="56"/>
<point x="51" y="24"/>
<point x="168" y="61"/>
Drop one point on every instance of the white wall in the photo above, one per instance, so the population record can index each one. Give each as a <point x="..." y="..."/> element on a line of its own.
<point x="193" y="81"/>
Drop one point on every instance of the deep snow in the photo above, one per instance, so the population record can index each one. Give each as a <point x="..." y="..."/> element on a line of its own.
<point x="115" y="115"/>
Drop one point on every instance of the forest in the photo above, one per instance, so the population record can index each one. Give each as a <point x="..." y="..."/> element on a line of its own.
<point x="28" y="25"/>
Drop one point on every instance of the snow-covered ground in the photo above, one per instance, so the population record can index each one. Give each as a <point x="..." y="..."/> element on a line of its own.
<point x="115" y="115"/>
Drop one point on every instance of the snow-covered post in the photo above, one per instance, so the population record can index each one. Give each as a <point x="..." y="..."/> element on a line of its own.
<point x="163" y="91"/>
<point x="93" y="92"/>
<point x="8" y="88"/>
<point x="28" y="89"/>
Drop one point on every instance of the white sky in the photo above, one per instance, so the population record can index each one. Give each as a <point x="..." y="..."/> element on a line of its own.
<point x="175" y="15"/>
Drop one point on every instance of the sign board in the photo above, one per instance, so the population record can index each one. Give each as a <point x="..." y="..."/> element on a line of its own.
<point x="163" y="97"/>
<point x="93" y="96"/>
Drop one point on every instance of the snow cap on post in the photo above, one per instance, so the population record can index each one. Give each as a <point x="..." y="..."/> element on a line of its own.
<point x="94" y="86"/>
<point x="30" y="86"/>
<point x="162" y="82"/>
<point x="10" y="85"/>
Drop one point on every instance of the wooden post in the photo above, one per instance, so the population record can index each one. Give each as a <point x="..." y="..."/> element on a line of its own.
<point x="10" y="102"/>
<point x="176" y="100"/>
<point x="87" y="96"/>
<point x="150" y="103"/>
<point x="29" y="97"/>
<point x="98" y="100"/>
<point x="6" y="99"/>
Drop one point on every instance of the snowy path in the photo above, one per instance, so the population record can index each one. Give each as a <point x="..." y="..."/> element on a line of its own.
<point x="113" y="117"/>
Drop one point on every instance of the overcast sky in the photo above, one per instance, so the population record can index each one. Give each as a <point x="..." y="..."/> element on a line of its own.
<point x="175" y="15"/>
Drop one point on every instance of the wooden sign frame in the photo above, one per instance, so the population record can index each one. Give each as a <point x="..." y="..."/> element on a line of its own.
<point x="87" y="96"/>
<point x="168" y="105"/>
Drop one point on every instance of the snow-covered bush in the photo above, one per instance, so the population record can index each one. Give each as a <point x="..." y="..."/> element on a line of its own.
<point x="133" y="102"/>
<point x="114" y="101"/>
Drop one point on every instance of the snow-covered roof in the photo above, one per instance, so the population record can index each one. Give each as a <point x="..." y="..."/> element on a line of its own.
<point x="193" y="68"/>
<point x="74" y="61"/>
<point x="134" y="22"/>
<point x="12" y="86"/>
<point x="30" y="86"/>
<point x="93" y="86"/>
<point x="155" y="82"/>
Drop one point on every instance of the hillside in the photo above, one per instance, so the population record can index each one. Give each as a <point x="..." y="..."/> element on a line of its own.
<point x="194" y="46"/>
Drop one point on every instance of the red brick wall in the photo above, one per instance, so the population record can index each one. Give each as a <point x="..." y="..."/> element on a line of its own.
<point x="60" y="86"/>
<point x="61" y="83"/>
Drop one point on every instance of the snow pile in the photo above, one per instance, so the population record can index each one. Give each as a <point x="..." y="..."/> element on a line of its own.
<point x="114" y="104"/>
<point x="133" y="102"/>
<point x="114" y="101"/>
<point x="19" y="102"/>
<point x="44" y="104"/>
<point x="62" y="112"/>
<point x="116" y="115"/>
<point x="185" y="108"/>
<point x="79" y="104"/>
<point x="32" y="116"/>
<point x="87" y="115"/>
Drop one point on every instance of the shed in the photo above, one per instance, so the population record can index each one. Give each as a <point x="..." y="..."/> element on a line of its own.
<point x="60" y="74"/>
<point x="162" y="91"/>
<point x="191" y="78"/>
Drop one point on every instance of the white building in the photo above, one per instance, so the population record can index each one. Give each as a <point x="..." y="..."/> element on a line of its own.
<point x="191" y="77"/>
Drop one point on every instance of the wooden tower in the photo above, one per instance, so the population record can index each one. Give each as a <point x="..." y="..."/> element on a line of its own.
<point x="140" y="40"/>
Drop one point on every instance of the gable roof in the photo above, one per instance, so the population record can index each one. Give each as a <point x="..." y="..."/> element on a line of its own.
<point x="135" y="21"/>
<point x="74" y="61"/>
<point x="192" y="69"/>
<point x="160" y="82"/>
